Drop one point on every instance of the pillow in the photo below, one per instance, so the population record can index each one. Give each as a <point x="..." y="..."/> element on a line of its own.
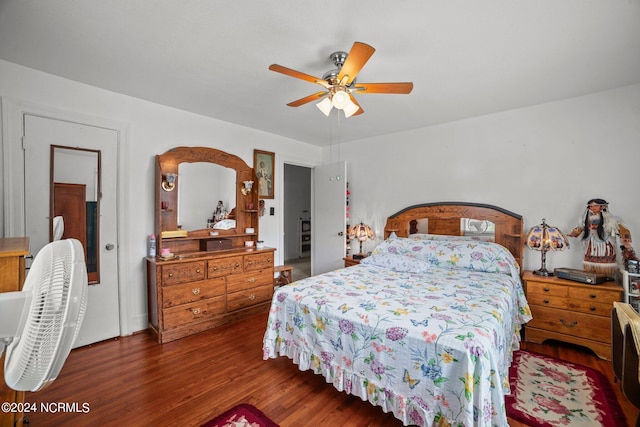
<point x="484" y="238"/>
<point x="397" y="262"/>
<point x="456" y="253"/>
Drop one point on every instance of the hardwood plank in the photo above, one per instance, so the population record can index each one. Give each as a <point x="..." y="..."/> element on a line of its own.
<point x="135" y="381"/>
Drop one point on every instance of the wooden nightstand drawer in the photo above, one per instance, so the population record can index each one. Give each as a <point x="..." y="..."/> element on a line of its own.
<point x="546" y="300"/>
<point x="595" y="295"/>
<point x="550" y="289"/>
<point x="591" y="327"/>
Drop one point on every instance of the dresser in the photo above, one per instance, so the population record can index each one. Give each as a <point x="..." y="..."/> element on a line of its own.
<point x="195" y="293"/>
<point x="210" y="276"/>
<point x="571" y="311"/>
<point x="13" y="251"/>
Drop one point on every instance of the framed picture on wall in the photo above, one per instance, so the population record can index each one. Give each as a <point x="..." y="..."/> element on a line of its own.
<point x="263" y="163"/>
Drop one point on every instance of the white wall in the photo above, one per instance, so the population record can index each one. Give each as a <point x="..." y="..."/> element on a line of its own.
<point x="543" y="161"/>
<point x="151" y="129"/>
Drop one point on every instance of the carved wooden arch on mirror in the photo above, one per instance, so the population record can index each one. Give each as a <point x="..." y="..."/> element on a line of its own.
<point x="166" y="209"/>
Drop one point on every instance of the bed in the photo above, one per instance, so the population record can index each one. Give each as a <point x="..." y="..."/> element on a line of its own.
<point x="425" y="327"/>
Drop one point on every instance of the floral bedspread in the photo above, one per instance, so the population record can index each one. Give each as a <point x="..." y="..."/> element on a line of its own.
<point x="424" y="329"/>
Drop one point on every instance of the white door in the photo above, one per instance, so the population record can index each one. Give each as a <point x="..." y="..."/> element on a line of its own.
<point x="329" y="218"/>
<point x="102" y="318"/>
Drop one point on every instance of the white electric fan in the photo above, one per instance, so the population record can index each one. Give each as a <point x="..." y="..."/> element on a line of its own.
<point x="39" y="324"/>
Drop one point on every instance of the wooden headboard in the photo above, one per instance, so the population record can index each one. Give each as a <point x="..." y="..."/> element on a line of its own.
<point x="445" y="218"/>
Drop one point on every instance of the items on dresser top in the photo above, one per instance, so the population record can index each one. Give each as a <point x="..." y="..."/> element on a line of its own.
<point x="582" y="276"/>
<point x="571" y="311"/>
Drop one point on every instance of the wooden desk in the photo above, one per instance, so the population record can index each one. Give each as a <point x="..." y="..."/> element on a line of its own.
<point x="12" y="273"/>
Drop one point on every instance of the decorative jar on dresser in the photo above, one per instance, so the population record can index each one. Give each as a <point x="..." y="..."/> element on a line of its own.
<point x="570" y="311"/>
<point x="210" y="276"/>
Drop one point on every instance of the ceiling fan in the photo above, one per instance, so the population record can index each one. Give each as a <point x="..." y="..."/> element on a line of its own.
<point x="340" y="84"/>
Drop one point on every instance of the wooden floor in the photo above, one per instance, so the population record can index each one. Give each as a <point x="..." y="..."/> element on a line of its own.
<point x="135" y="382"/>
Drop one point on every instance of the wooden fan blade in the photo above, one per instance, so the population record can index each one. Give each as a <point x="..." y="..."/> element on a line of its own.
<point x="307" y="99"/>
<point x="360" y="110"/>
<point x="401" y="88"/>
<point x="298" y="75"/>
<point x="356" y="58"/>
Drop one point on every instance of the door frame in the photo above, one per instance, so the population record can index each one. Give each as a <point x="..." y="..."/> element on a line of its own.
<point x="12" y="211"/>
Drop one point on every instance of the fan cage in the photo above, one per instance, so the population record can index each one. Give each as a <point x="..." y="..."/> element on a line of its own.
<point x="57" y="282"/>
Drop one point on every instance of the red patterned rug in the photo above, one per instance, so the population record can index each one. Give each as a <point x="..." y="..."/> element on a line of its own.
<point x="243" y="415"/>
<point x="550" y="392"/>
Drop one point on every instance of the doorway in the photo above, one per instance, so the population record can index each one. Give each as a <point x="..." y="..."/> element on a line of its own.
<point x="297" y="220"/>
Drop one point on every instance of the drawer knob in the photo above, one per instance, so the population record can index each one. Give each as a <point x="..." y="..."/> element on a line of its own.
<point x="251" y="279"/>
<point x="252" y="297"/>
<point x="195" y="311"/>
<point x="546" y="301"/>
<point x="237" y="265"/>
<point x="592" y="308"/>
<point x="568" y="325"/>
<point x="195" y="291"/>
<point x="546" y="289"/>
<point x="215" y="268"/>
<point x="592" y="295"/>
<point x="268" y="259"/>
<point x="198" y="270"/>
<point x="170" y="274"/>
<point x="249" y="262"/>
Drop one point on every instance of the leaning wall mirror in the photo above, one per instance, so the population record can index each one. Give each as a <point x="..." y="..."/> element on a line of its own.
<point x="74" y="207"/>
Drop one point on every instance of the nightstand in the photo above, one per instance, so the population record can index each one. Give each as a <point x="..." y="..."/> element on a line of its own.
<point x="349" y="261"/>
<point x="570" y="311"/>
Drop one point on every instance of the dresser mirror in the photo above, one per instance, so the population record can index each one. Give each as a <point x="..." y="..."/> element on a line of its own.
<point x="202" y="186"/>
<point x="190" y="182"/>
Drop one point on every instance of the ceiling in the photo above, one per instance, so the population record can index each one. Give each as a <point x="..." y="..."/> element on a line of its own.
<point x="465" y="58"/>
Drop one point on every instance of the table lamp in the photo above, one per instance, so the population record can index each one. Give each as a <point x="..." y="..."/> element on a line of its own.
<point x="545" y="238"/>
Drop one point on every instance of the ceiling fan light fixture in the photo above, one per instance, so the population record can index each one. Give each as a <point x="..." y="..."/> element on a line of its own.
<point x="350" y="109"/>
<point x="325" y="106"/>
<point x="340" y="99"/>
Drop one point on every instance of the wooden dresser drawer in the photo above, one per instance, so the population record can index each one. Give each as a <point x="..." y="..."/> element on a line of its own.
<point x="191" y="292"/>
<point x="195" y="311"/>
<point x="546" y="300"/>
<point x="595" y="295"/>
<point x="224" y="266"/>
<point x="249" y="280"/>
<point x="550" y="289"/>
<point x="587" y="326"/>
<point x="184" y="272"/>
<point x="247" y="298"/>
<point x="258" y="262"/>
